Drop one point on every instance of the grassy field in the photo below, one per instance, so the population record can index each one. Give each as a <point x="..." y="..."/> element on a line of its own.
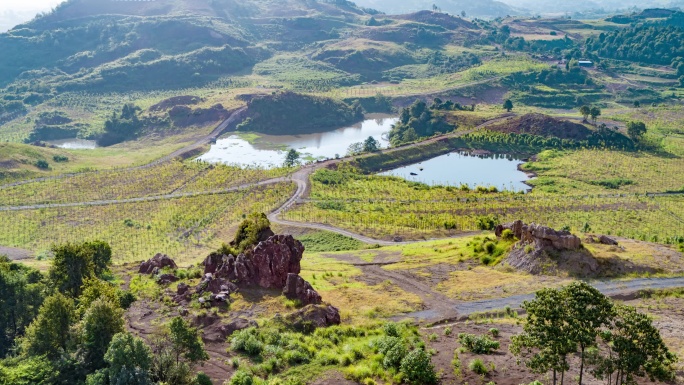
<point x="385" y="206"/>
<point x="165" y="178"/>
<point x="184" y="228"/>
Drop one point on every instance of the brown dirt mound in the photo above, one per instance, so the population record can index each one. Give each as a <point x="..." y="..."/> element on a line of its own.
<point x="169" y="103"/>
<point x="543" y="125"/>
<point x="437" y="18"/>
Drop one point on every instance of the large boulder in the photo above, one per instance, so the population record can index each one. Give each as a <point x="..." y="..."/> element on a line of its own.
<point x="297" y="288"/>
<point x="156" y="263"/>
<point x="541" y="236"/>
<point x="266" y="265"/>
<point x="543" y="250"/>
<point x="311" y="317"/>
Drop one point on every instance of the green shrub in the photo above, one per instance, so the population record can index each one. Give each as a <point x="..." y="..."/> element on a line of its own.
<point x="241" y="378"/>
<point x="494" y="332"/>
<point x="456" y="364"/>
<point x="418" y="369"/>
<point x="486" y="222"/>
<point x="489" y="247"/>
<point x="478" y="344"/>
<point x="42" y="164"/>
<point x="394" y="356"/>
<point x="447" y="331"/>
<point x="202" y="379"/>
<point x="432" y="337"/>
<point x="60" y="158"/>
<point x="478" y="367"/>
<point x="507" y="235"/>
<point x="391" y="329"/>
<point x="385" y="344"/>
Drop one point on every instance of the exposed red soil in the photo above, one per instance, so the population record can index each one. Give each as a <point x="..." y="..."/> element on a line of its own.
<point x="169" y="103"/>
<point x="543" y="125"/>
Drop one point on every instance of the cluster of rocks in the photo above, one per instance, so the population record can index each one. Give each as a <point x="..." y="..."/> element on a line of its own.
<point x="274" y="263"/>
<point x="542" y="237"/>
<point x="156" y="263"/>
<point x="538" y="243"/>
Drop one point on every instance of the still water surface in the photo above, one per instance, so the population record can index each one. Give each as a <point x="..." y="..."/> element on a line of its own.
<point x="270" y="150"/>
<point x="456" y="168"/>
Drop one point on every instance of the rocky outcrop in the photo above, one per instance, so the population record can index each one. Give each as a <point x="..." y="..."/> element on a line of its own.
<point x="166" y="279"/>
<point x="606" y="240"/>
<point x="297" y="288"/>
<point x="541" y="236"/>
<point x="543" y="250"/>
<point x="267" y="265"/>
<point x="314" y="316"/>
<point x="156" y="263"/>
<point x="214" y="329"/>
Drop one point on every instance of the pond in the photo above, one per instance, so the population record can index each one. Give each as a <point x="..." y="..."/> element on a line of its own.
<point x="456" y="168"/>
<point x="73" y="144"/>
<point x="270" y="150"/>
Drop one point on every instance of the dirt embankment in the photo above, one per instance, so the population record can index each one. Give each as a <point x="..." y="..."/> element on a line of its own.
<point x="543" y="125"/>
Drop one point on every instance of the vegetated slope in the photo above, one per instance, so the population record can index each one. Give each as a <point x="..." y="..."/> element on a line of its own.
<point x="642" y="43"/>
<point x="543" y="125"/>
<point x="287" y="112"/>
<point x="481" y="8"/>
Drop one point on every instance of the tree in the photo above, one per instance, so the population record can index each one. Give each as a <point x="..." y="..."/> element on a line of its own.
<point x="49" y="333"/>
<point x="73" y="264"/>
<point x="544" y="343"/>
<point x="595" y="113"/>
<point x="292" y="158"/>
<point x="508" y="105"/>
<point x="463" y="13"/>
<point x="371" y="145"/>
<point x="129" y="360"/>
<point x="101" y="254"/>
<point x="636" y="349"/>
<point x="586" y="312"/>
<point x="176" y="348"/>
<point x="585" y="111"/>
<point x="636" y="130"/>
<point x="100" y="323"/>
<point x="355" y="148"/>
<point x="21" y="294"/>
<point x="186" y="341"/>
<point x="637" y="104"/>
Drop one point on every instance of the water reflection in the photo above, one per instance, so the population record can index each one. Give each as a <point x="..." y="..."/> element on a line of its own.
<point x="454" y="169"/>
<point x="74" y="144"/>
<point x="270" y="150"/>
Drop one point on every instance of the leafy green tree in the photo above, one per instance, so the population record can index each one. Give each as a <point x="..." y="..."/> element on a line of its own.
<point x="94" y="289"/>
<point x="544" y="342"/>
<point x="355" y="148"/>
<point x="371" y="145"/>
<point x="587" y="312"/>
<point x="508" y="105"/>
<point x="292" y="158"/>
<point x="636" y="350"/>
<point x="49" y="334"/>
<point x="636" y="130"/>
<point x="595" y="113"/>
<point x="186" y="341"/>
<point x="100" y="323"/>
<point x="21" y="294"/>
<point x="176" y="349"/>
<point x="73" y="264"/>
<point x="129" y="360"/>
<point x="585" y="111"/>
<point x="101" y="253"/>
